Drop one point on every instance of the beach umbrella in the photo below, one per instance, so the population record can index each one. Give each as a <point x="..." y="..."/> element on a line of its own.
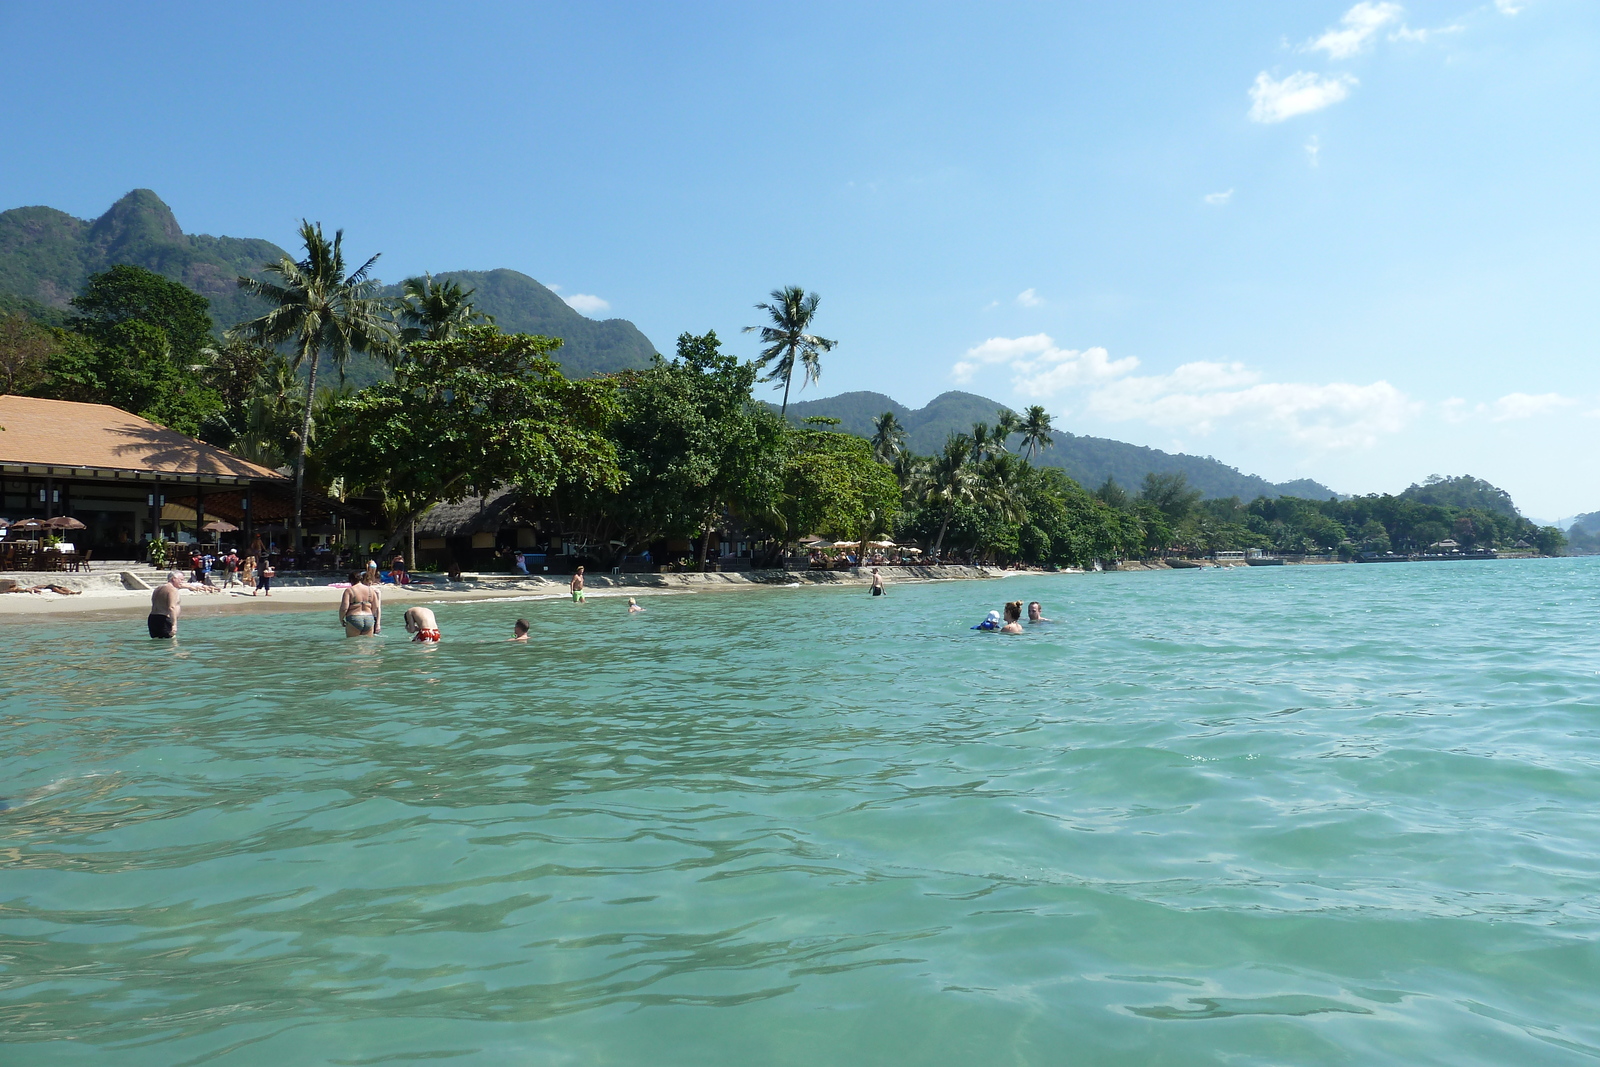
<point x="882" y="544"/>
<point x="65" y="522"/>
<point x="847" y="544"/>
<point x="29" y="524"/>
<point x="220" y="526"/>
<point x="4" y="523"/>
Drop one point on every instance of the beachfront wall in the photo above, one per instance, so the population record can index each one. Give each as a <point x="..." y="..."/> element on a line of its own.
<point x="124" y="477"/>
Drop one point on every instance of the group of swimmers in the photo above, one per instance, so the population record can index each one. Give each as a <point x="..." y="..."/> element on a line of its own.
<point x="1012" y="621"/>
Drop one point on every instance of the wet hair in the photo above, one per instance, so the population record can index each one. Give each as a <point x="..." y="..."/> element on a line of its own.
<point x="355" y="576"/>
<point x="522" y="626"/>
<point x="1014" y="611"/>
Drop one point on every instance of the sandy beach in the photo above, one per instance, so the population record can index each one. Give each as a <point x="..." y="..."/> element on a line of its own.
<point x="107" y="596"/>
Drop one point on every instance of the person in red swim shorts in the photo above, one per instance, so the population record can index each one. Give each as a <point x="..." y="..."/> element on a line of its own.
<point x="420" y="621"/>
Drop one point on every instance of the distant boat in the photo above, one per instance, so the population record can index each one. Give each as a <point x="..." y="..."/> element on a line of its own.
<point x="1265" y="561"/>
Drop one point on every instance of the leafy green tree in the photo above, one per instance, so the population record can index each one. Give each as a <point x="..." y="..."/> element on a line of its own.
<point x="1171" y="495"/>
<point x="833" y="485"/>
<point x="321" y="309"/>
<point x="786" y="341"/>
<point x="127" y="294"/>
<point x="691" y="444"/>
<point x="471" y="414"/>
<point x="1113" y="495"/>
<point x="129" y="366"/>
<point x="428" y="310"/>
<point x="25" y="351"/>
<point x="1036" y="429"/>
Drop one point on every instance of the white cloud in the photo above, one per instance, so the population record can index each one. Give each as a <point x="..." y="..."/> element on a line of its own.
<point x="1406" y="33"/>
<point x="1298" y="94"/>
<point x="1314" y="151"/>
<point x="1356" y="30"/>
<point x="1509" y="7"/>
<point x="1527" y="406"/>
<point x="1029" y="298"/>
<point x="1197" y="397"/>
<point x="587" y="303"/>
<point x="1218" y="199"/>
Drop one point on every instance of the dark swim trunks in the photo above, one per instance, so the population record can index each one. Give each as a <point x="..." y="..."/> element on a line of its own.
<point x="160" y="625"/>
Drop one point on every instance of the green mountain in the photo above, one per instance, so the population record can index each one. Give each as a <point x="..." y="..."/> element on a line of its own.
<point x="1463" y="492"/>
<point x="46" y="256"/>
<point x="1090" y="460"/>
<point x="521" y="305"/>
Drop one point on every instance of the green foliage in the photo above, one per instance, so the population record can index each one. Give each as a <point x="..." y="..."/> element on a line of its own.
<point x="691" y="443"/>
<point x="126" y="294"/>
<point x="833" y="486"/>
<point x="471" y="414"/>
<point x="1463" y="492"/>
<point x="130" y="366"/>
<point x="518" y="304"/>
<point x="786" y="342"/>
<point x="25" y="351"/>
<point x="430" y="310"/>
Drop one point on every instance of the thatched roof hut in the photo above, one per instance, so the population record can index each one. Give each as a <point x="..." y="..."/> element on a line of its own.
<point x="475" y="514"/>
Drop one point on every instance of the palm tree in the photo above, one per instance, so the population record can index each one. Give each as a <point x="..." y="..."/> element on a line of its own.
<point x="951" y="480"/>
<point x="321" y="309"/>
<point x="434" y="311"/>
<point x="1006" y="424"/>
<point x="1035" y="430"/>
<point x="984" y="444"/>
<point x="786" y="339"/>
<point x="888" y="438"/>
<point x="1001" y="482"/>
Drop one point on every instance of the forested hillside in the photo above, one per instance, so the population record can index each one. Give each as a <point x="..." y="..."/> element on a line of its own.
<point x="1089" y="460"/>
<point x="47" y="256"/>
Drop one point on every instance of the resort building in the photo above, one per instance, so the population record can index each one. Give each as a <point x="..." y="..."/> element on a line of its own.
<point x="125" y="478"/>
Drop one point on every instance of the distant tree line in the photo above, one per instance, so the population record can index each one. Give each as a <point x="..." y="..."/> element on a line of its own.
<point x="673" y="452"/>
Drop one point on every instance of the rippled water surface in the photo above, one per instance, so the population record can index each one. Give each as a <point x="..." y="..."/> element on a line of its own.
<point x="1315" y="815"/>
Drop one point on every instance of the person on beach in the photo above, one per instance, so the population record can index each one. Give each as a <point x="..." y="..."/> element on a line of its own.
<point x="361" y="608"/>
<point x="1036" y="612"/>
<point x="247" y="574"/>
<point x="371" y="576"/>
<point x="633" y="606"/>
<point x="264" y="577"/>
<point x="164" y="606"/>
<point x="420" y="621"/>
<point x="1013" y="618"/>
<point x="519" y="630"/>
<point x="877" y="583"/>
<point x="577" y="586"/>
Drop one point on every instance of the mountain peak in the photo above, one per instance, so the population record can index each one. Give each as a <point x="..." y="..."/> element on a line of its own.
<point x="138" y="220"/>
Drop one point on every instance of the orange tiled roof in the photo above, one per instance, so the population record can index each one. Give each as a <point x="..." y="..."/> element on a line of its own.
<point x="61" y="433"/>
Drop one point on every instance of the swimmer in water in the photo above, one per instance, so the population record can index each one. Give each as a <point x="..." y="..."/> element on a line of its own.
<point x="877" y="583"/>
<point x="520" y="630"/>
<point x="577" y="586"/>
<point x="1013" y="618"/>
<point x="1036" y="612"/>
<point x="990" y="622"/>
<point x="420" y="621"/>
<point x="633" y="606"/>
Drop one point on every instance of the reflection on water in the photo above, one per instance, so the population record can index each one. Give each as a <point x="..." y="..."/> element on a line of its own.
<point x="1317" y="815"/>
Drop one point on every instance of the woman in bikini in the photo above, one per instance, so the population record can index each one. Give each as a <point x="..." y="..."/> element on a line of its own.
<point x="360" y="608"/>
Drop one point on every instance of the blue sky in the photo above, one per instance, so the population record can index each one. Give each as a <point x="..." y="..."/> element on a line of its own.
<point x="1350" y="242"/>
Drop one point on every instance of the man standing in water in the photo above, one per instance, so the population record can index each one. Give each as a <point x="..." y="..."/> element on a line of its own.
<point x="577" y="586"/>
<point x="164" y="606"/>
<point x="361" y="608"/>
<point x="877" y="583"/>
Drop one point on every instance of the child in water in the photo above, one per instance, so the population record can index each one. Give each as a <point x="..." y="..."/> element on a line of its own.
<point x="520" y="630"/>
<point x="633" y="606"/>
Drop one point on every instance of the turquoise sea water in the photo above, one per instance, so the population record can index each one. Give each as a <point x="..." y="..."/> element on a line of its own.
<point x="1316" y="815"/>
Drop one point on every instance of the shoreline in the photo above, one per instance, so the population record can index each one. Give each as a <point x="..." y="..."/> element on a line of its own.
<point x="108" y="593"/>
